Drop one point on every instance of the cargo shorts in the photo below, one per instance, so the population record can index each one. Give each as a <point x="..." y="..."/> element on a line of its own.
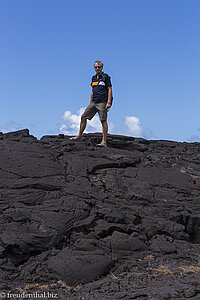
<point x="93" y="108"/>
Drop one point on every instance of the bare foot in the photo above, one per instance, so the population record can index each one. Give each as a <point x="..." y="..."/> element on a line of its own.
<point x="76" y="137"/>
<point x="102" y="144"/>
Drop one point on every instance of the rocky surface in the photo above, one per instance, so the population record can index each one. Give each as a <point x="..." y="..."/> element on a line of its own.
<point x="82" y="222"/>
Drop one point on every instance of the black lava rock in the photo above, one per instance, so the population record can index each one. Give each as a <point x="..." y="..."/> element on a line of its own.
<point x="84" y="222"/>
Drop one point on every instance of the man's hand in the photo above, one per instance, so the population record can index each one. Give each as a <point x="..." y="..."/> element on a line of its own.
<point x="108" y="105"/>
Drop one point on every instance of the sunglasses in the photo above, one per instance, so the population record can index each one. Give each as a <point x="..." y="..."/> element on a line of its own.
<point x="97" y="67"/>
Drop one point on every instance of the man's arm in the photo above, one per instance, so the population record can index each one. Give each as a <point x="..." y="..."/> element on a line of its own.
<point x="91" y="96"/>
<point x="108" y="104"/>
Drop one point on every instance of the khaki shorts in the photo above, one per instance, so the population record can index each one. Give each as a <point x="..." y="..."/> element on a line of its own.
<point x="93" y="108"/>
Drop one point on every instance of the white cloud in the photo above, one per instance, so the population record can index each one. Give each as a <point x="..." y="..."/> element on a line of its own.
<point x="134" y="126"/>
<point x="72" y="123"/>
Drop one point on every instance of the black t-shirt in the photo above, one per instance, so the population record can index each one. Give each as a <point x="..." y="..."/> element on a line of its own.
<point x="100" y="87"/>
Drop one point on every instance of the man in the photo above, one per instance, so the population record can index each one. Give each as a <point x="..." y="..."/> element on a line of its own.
<point x="100" y="101"/>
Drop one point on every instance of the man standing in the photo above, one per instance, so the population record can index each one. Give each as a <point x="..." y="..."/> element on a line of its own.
<point x="100" y="101"/>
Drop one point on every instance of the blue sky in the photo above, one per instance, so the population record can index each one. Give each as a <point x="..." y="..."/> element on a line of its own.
<point x="150" y="48"/>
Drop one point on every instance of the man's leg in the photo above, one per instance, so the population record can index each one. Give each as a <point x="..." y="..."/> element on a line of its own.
<point x="89" y="113"/>
<point x="83" y="124"/>
<point x="101" y="108"/>
<point x="104" y="130"/>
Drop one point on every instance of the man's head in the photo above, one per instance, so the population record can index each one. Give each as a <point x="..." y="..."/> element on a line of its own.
<point x="98" y="66"/>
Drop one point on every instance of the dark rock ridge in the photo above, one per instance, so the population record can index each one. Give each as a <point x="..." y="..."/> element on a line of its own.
<point x="84" y="222"/>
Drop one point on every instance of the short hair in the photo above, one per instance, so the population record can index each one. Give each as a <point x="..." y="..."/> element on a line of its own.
<point x="98" y="62"/>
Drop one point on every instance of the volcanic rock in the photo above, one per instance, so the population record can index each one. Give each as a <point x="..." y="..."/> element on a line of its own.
<point x="84" y="222"/>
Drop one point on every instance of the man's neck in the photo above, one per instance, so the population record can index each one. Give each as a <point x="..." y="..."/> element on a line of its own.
<point x="99" y="75"/>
